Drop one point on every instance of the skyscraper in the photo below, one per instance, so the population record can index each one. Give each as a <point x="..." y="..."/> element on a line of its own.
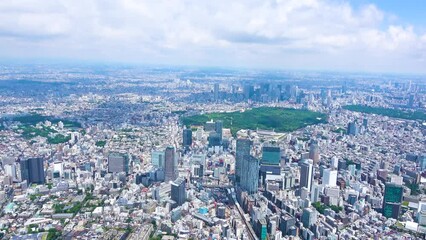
<point x="10" y="170"/>
<point x="218" y="127"/>
<point x="242" y="152"/>
<point x="178" y="191"/>
<point x="309" y="217"/>
<point x="118" y="162"/>
<point x="271" y="155"/>
<point x="248" y="91"/>
<point x="250" y="174"/>
<point x="157" y="159"/>
<point x="169" y="164"/>
<point x="214" y="139"/>
<point x="216" y="91"/>
<point x="329" y="177"/>
<point x="352" y="128"/>
<point x="306" y="172"/>
<point x="392" y="200"/>
<point x="422" y="161"/>
<point x="314" y="152"/>
<point x="187" y="137"/>
<point x="32" y="170"/>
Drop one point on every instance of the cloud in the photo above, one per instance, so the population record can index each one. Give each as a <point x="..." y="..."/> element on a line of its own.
<point x="253" y="33"/>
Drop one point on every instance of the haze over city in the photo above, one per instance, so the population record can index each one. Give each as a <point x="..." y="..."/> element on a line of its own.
<point x="331" y="35"/>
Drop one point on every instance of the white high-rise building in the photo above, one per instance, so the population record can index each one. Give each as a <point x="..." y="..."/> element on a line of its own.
<point x="329" y="177"/>
<point x="58" y="167"/>
<point x="334" y="162"/>
<point x="10" y="170"/>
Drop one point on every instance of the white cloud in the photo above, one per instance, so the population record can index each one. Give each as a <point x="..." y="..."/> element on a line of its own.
<point x="258" y="33"/>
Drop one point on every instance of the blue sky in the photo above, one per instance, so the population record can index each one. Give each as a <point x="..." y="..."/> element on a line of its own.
<point x="408" y="11"/>
<point x="334" y="35"/>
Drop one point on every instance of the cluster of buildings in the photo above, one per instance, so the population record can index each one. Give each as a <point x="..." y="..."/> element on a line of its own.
<point x="133" y="171"/>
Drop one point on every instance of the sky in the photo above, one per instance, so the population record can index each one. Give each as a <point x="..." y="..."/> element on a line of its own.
<point x="387" y="36"/>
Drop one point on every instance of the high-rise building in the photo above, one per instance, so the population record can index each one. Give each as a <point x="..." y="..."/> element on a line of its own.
<point x="306" y="172"/>
<point x="334" y="162"/>
<point x="288" y="180"/>
<point x="352" y="128"/>
<point x="216" y="91"/>
<point x="157" y="159"/>
<point x="261" y="229"/>
<point x="392" y="200"/>
<point x="248" y="91"/>
<point x="178" y="191"/>
<point x="314" y="152"/>
<point x="10" y="170"/>
<point x="315" y="192"/>
<point x="271" y="155"/>
<point x="242" y="152"/>
<point x="118" y="162"/>
<point x="309" y="217"/>
<point x="218" y="127"/>
<point x="187" y="137"/>
<point x="214" y="139"/>
<point x="286" y="222"/>
<point x="250" y="174"/>
<point x="422" y="161"/>
<point x="411" y="100"/>
<point x="32" y="170"/>
<point x="329" y="177"/>
<point x="169" y="164"/>
<point x="365" y="123"/>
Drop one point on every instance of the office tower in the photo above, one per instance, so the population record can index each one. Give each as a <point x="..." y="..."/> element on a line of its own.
<point x="365" y="123"/>
<point x="422" y="161"/>
<point x="329" y="177"/>
<point x="342" y="165"/>
<point x="242" y="152"/>
<point x="304" y="192"/>
<point x="288" y="180"/>
<point x="286" y="222"/>
<point x="248" y="91"/>
<point x="210" y="126"/>
<point x="157" y="159"/>
<point x="411" y="101"/>
<point x="334" y="162"/>
<point x="118" y="162"/>
<point x="323" y="95"/>
<point x="216" y="91"/>
<point x="218" y="127"/>
<point x="10" y="170"/>
<point x="261" y="229"/>
<point x="352" y="128"/>
<point x="306" y="172"/>
<point x="315" y="192"/>
<point x="221" y="211"/>
<point x="314" y="152"/>
<point x="58" y="170"/>
<point x="271" y="155"/>
<point x="32" y="170"/>
<point x="169" y="164"/>
<point x="214" y="139"/>
<point x="250" y="174"/>
<point x="294" y="92"/>
<point x="187" y="137"/>
<point x="272" y="227"/>
<point x="309" y="217"/>
<point x="392" y="200"/>
<point x="178" y="191"/>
